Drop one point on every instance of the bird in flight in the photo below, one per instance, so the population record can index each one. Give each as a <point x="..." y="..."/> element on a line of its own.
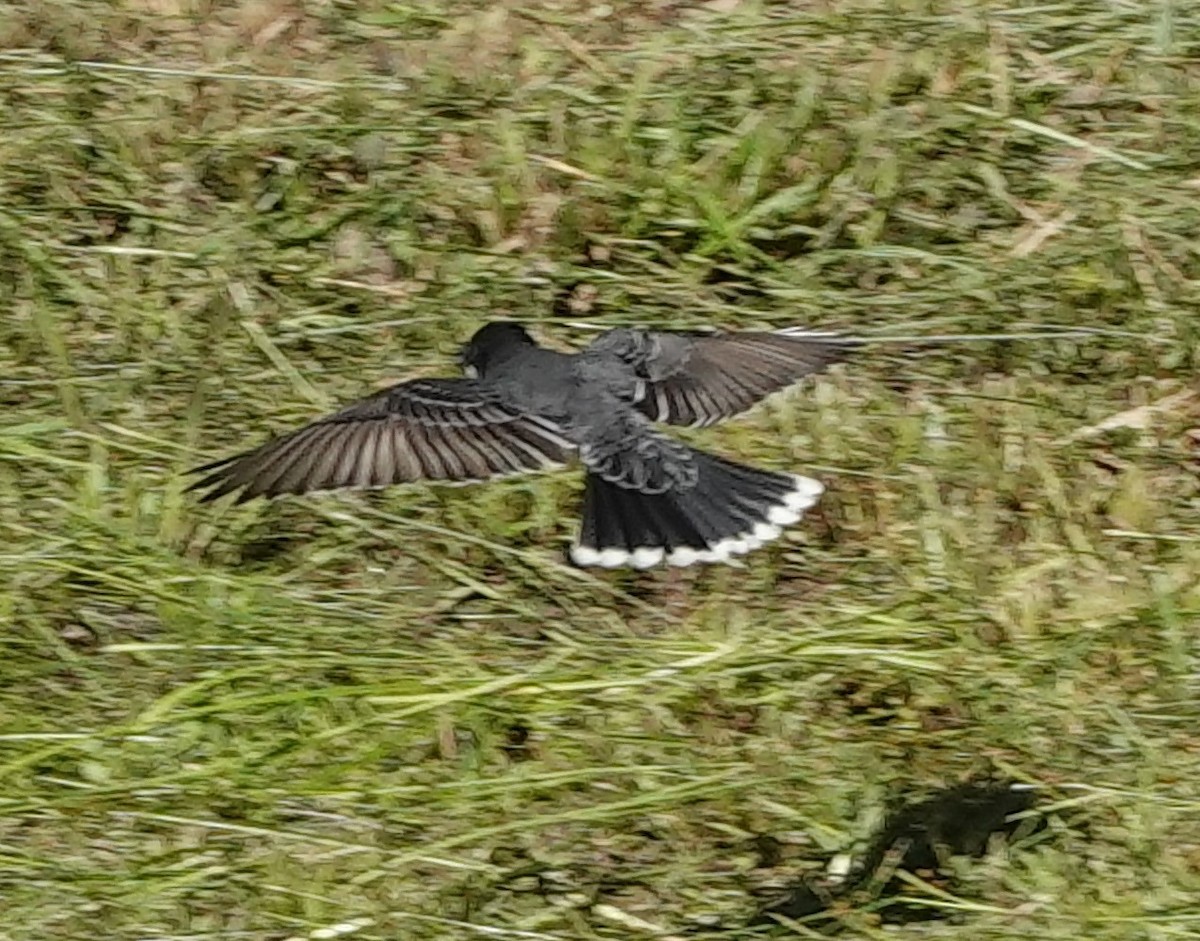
<point x="521" y="407"/>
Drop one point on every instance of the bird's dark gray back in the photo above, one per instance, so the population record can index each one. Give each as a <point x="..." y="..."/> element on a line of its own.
<point x="535" y="380"/>
<point x="579" y="392"/>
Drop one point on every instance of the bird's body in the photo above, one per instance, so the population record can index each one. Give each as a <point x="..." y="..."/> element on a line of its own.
<point x="522" y="407"/>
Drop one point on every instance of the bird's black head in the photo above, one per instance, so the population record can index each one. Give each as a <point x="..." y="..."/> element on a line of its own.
<point x="492" y="342"/>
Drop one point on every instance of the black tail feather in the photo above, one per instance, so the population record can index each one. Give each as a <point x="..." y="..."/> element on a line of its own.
<point x="730" y="510"/>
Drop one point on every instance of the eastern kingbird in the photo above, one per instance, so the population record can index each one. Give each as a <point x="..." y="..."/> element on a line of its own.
<point x="522" y="407"/>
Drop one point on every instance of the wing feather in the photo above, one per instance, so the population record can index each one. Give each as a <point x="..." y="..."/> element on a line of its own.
<point x="408" y="454"/>
<point x="700" y="379"/>
<point x="439" y="429"/>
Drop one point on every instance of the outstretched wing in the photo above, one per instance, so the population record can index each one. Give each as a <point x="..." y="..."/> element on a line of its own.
<point x="702" y="378"/>
<point x="426" y="429"/>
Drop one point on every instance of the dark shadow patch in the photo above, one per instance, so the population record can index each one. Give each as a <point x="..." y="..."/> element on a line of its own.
<point x="918" y="838"/>
<point x="516" y="744"/>
<point x="261" y="552"/>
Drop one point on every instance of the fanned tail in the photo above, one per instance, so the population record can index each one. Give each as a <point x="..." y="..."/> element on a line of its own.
<point x="732" y="509"/>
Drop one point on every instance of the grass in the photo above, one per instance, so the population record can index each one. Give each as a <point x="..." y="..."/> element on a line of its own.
<point x="401" y="713"/>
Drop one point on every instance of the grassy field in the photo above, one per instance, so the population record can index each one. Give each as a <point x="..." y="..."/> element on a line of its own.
<point x="401" y="715"/>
